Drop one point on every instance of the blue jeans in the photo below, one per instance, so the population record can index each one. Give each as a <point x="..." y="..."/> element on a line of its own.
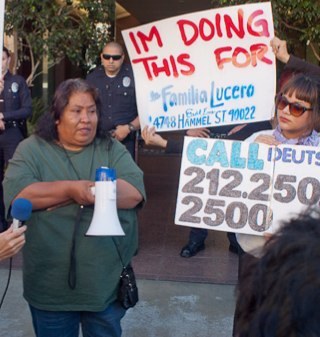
<point x="67" y="323"/>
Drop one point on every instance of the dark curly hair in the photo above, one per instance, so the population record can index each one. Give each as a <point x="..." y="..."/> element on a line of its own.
<point x="46" y="127"/>
<point x="279" y="294"/>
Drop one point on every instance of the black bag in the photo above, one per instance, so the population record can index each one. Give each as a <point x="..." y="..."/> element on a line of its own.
<point x="128" y="291"/>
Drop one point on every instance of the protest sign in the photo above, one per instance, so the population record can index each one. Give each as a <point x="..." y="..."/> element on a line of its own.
<point x="245" y="187"/>
<point x="204" y="69"/>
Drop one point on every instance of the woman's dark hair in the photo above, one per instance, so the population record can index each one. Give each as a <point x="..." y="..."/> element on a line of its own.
<point x="279" y="294"/>
<point x="306" y="88"/>
<point x="46" y="127"/>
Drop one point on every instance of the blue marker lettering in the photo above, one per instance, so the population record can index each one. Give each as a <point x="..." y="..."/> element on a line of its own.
<point x="236" y="160"/>
<point x="192" y="148"/>
<point x="254" y="163"/>
<point x="218" y="154"/>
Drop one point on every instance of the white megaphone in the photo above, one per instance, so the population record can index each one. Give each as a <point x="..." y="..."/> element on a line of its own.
<point x="105" y="219"/>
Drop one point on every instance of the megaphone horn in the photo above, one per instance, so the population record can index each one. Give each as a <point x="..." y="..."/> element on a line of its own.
<point x="105" y="221"/>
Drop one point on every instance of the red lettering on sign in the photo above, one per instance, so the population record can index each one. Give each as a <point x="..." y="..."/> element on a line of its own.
<point x="240" y="57"/>
<point x="262" y="23"/>
<point x="225" y="26"/>
<point x="144" y="39"/>
<point x="154" y="66"/>
<point x="230" y="26"/>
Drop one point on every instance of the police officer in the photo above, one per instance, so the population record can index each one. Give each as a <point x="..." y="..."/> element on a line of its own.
<point x="115" y="82"/>
<point x="15" y="108"/>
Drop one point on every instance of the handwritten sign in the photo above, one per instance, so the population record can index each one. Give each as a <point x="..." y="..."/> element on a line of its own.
<point x="245" y="187"/>
<point x="207" y="68"/>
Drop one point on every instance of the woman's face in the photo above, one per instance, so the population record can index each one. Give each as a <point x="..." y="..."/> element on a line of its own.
<point x="291" y="126"/>
<point x="77" y="125"/>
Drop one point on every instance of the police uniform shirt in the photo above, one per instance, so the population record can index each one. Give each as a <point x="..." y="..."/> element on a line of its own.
<point x="17" y="105"/>
<point x="117" y="95"/>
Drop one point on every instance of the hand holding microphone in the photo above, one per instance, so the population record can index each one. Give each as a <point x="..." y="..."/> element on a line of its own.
<point x="20" y="211"/>
<point x="12" y="240"/>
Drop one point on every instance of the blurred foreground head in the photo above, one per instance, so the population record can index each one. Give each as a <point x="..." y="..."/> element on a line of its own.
<point x="279" y="293"/>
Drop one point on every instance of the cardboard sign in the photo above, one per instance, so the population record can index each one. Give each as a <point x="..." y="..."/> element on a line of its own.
<point x="204" y="69"/>
<point x="245" y="187"/>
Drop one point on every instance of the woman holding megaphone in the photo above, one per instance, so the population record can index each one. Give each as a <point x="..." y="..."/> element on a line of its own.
<point x="70" y="278"/>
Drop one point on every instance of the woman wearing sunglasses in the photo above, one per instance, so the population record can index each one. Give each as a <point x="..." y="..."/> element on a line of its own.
<point x="297" y="119"/>
<point x="297" y="114"/>
<point x="296" y="122"/>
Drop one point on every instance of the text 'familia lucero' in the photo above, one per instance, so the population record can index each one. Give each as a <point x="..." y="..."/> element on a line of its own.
<point x="220" y="26"/>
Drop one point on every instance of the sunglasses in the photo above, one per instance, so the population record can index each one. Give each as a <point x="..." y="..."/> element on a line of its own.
<point x="114" y="57"/>
<point x="295" y="109"/>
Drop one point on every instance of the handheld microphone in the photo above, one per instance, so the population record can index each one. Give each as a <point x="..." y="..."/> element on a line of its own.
<point x="20" y="211"/>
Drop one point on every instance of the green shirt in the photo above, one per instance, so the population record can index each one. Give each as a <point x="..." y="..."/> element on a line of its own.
<point x="49" y="234"/>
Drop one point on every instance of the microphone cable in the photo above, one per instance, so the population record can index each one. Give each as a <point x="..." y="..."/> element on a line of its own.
<point x="8" y="283"/>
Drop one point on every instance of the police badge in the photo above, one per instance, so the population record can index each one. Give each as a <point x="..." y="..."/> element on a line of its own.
<point x="14" y="87"/>
<point x="126" y="81"/>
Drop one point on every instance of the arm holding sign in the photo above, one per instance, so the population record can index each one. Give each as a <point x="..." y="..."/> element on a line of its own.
<point x="279" y="47"/>
<point x="199" y="132"/>
<point x="280" y="50"/>
<point x="150" y="137"/>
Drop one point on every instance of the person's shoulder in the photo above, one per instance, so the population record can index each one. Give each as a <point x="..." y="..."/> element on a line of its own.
<point x="255" y="134"/>
<point x="15" y="78"/>
<point x="31" y="140"/>
<point x="265" y="132"/>
<point x="111" y="145"/>
<point x="26" y="144"/>
<point x="126" y="68"/>
<point x="32" y="148"/>
<point x="252" y="128"/>
<point x="96" y="72"/>
<point x="106" y="142"/>
<point x="114" y="144"/>
<point x="297" y="64"/>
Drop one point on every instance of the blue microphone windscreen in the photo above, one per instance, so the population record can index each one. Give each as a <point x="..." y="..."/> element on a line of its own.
<point x="21" y="209"/>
